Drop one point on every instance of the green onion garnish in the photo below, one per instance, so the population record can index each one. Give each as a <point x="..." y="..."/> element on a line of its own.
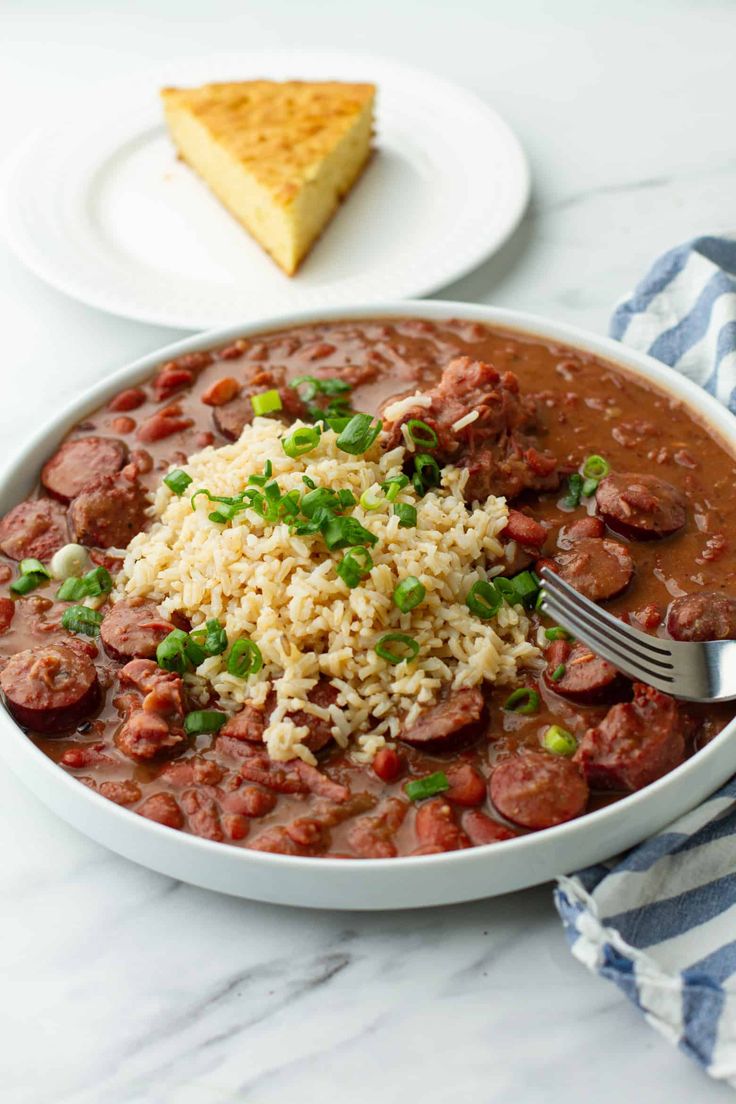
<point x="369" y="501"/>
<point x="245" y="658"/>
<point x="484" y="599"/>
<point x="406" y="513"/>
<point x="266" y="403"/>
<point x="557" y="633"/>
<point x="558" y="673"/>
<point x="426" y="473"/>
<point x="97" y="581"/>
<point x="171" y="652"/>
<point x="177" y="481"/>
<point x="359" y="434"/>
<point x="427" y="787"/>
<point x="421" y="434"/>
<point x="302" y="440"/>
<point x="595" y="467"/>
<point x="308" y="482"/>
<point x="574" y="491"/>
<point x="354" y="566"/>
<point x="409" y="593"/>
<point x="203" y="720"/>
<point x="526" y="587"/>
<point x="589" y="487"/>
<point x="524" y="700"/>
<point x="559" y="741"/>
<point x="80" y="619"/>
<point x="309" y="387"/>
<point x="395" y="657"/>
<point x="392" y="486"/>
<point x="212" y="638"/>
<point x="32" y="574"/>
<point x="340" y="532"/>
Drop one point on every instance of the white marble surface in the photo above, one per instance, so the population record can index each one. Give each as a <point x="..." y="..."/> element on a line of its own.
<point x="121" y="986"/>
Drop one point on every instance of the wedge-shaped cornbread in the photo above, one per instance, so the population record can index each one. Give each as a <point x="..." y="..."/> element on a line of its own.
<point x="279" y="155"/>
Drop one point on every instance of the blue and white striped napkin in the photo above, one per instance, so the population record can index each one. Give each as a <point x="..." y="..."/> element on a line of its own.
<point x="660" y="921"/>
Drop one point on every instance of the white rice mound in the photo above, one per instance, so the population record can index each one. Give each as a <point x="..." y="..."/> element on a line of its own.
<point x="282" y="591"/>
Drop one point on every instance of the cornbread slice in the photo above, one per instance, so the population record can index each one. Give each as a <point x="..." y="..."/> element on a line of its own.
<point x="279" y="155"/>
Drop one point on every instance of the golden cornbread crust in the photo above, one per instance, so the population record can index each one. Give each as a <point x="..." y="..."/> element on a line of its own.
<point x="293" y="139"/>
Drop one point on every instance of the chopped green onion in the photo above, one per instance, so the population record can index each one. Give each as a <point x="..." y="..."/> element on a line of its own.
<point x="395" y="657"/>
<point x="26" y="583"/>
<point x="589" y="487"/>
<point x="595" y="467"/>
<point x="426" y="473"/>
<point x="524" y="700"/>
<point x="484" y="599"/>
<point x="392" y="486"/>
<point x="526" y="587"/>
<point x="202" y="721"/>
<point x="310" y="386"/>
<point x="406" y="513"/>
<point x="409" y="593"/>
<point x="427" y="787"/>
<point x="421" y="434"/>
<point x="177" y="481"/>
<point x="559" y="741"/>
<point x="32" y="574"/>
<point x="212" y="638"/>
<point x="266" y="403"/>
<point x="557" y="633"/>
<point x="359" y="434"/>
<point x="339" y="532"/>
<point x="506" y="589"/>
<point x="558" y="673"/>
<point x="80" y="619"/>
<point x="97" y="581"/>
<point x="354" y="566"/>
<point x="574" y="491"/>
<point x="302" y="440"/>
<point x="369" y="501"/>
<point x="337" y="425"/>
<point x="33" y="567"/>
<point x="171" y="652"/>
<point x="309" y="483"/>
<point x="245" y="658"/>
<point x="325" y="497"/>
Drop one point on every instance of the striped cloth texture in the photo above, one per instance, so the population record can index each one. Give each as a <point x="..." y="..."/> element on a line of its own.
<point x="660" y="921"/>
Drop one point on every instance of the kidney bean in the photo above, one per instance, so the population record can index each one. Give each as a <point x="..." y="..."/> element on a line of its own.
<point x="221" y="391"/>
<point x="162" y="424"/>
<point x="388" y="764"/>
<point x="123" y="424"/>
<point x="171" y="379"/>
<point x="130" y="399"/>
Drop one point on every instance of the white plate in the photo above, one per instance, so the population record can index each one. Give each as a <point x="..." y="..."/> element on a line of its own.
<point x="103" y="210"/>
<point x="369" y="883"/>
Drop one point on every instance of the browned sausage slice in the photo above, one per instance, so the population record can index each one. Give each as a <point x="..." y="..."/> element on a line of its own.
<point x="79" y="462"/>
<point x="50" y="689"/>
<point x="706" y="616"/>
<point x="599" y="569"/>
<point x="251" y="721"/>
<point x="586" y="677"/>
<point x="133" y="628"/>
<point x="36" y="528"/>
<point x="587" y="526"/>
<point x="536" y="790"/>
<point x="450" y="723"/>
<point x="108" y="512"/>
<point x="641" y="507"/>
<point x="636" y="742"/>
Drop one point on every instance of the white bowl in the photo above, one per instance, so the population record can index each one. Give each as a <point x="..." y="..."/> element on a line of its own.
<point x="369" y="883"/>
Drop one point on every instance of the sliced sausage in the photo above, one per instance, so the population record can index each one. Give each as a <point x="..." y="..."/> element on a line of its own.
<point x="50" y="689"/>
<point x="133" y="628"/>
<point x="709" y="615"/>
<point x="586" y="679"/>
<point x="636" y="742"/>
<point x="449" y="724"/>
<point x="251" y="722"/>
<point x="79" y="462"/>
<point x="599" y="569"/>
<point x="36" y="528"/>
<point x="147" y="735"/>
<point x="108" y="512"/>
<point x="641" y="507"/>
<point x="536" y="790"/>
<point x="483" y="829"/>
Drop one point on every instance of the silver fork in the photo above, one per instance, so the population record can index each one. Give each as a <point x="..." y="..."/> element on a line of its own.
<point x="704" y="672"/>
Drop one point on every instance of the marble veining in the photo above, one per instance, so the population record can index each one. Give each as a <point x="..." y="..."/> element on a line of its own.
<point x="124" y="987"/>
